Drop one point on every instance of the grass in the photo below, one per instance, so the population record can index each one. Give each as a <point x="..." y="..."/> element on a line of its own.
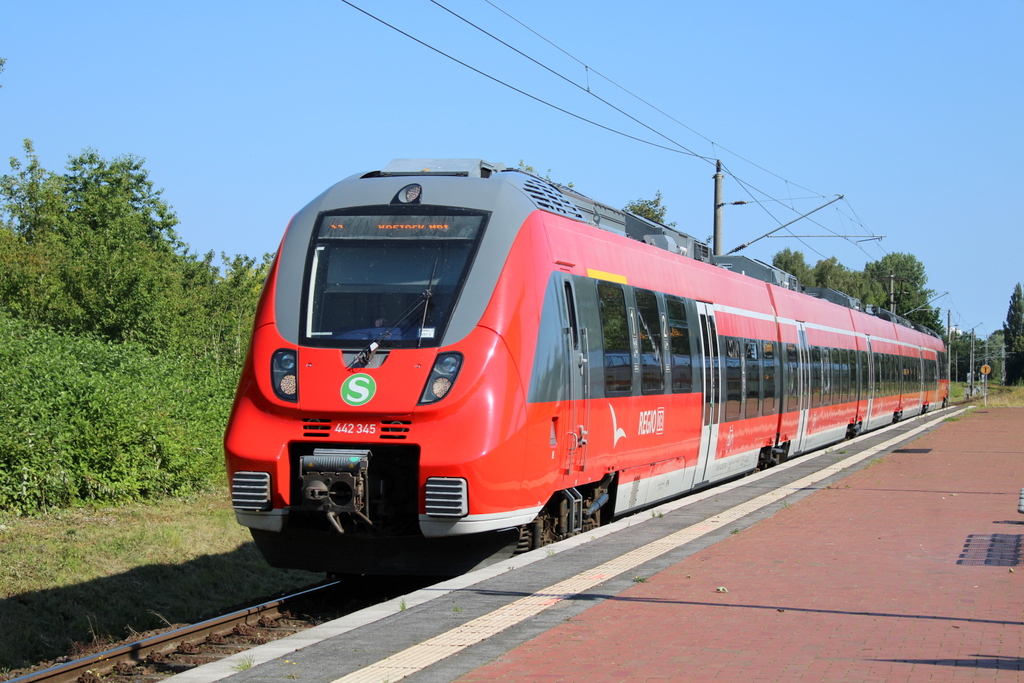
<point x="1003" y="397"/>
<point x="244" y="664"/>
<point x="80" y="580"/>
<point x="998" y="395"/>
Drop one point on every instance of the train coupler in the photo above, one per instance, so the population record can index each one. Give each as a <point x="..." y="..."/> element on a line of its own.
<point x="335" y="481"/>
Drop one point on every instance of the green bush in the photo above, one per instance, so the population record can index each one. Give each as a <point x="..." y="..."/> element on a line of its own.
<point x="86" y="420"/>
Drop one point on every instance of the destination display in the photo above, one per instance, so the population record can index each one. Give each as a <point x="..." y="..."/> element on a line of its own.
<point x="391" y="227"/>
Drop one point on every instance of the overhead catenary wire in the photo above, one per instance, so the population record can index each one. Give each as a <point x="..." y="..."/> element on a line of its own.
<point x="588" y="69"/>
<point x="679" y="149"/>
<point x="512" y="87"/>
<point x="652" y="106"/>
<point x="572" y="82"/>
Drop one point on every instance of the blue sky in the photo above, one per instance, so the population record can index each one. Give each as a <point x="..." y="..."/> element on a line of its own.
<point x="244" y="111"/>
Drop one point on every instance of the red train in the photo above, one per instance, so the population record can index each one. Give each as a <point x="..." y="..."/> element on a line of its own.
<point x="453" y="361"/>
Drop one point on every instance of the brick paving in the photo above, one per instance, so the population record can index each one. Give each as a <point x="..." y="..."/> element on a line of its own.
<point x="880" y="577"/>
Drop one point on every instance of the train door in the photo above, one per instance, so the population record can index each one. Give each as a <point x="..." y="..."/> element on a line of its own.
<point x="803" y="385"/>
<point x="712" y="369"/>
<point x="577" y="410"/>
<point x="921" y="400"/>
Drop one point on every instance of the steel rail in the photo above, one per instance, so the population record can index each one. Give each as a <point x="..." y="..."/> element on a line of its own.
<point x="163" y="643"/>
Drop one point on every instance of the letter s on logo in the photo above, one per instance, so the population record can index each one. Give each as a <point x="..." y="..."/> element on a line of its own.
<point x="358" y="389"/>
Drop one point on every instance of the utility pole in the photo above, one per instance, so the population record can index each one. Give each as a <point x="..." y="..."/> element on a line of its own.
<point x="892" y="293"/>
<point x="718" y="209"/>
<point x="970" y="370"/>
<point x="949" y="338"/>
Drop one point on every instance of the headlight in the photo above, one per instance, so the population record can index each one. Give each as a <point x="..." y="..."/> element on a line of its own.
<point x="284" y="376"/>
<point x="442" y="377"/>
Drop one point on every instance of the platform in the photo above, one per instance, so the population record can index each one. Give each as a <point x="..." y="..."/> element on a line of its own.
<point x="893" y="557"/>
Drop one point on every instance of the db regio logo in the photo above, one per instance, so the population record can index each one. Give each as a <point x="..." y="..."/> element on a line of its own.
<point x="652" y="422"/>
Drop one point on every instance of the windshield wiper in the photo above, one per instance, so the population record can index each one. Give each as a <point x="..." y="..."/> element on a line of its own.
<point x="429" y="293"/>
<point x="366" y="355"/>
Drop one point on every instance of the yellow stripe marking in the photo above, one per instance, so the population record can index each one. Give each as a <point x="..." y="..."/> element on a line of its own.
<point x="611" y="277"/>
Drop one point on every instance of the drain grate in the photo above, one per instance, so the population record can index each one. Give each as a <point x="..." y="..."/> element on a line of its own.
<point x="994" y="550"/>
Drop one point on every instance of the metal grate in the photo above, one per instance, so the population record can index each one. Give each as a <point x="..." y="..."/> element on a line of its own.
<point x="447" y="497"/>
<point x="316" y="427"/>
<point x="550" y="199"/>
<point x="994" y="550"/>
<point x="250" y="491"/>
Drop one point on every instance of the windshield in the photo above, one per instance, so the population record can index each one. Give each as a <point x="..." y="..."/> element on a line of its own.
<point x="392" y="275"/>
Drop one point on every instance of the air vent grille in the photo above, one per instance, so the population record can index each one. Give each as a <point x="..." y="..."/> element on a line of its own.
<point x="550" y="199"/>
<point x="447" y="497"/>
<point x="250" y="491"/>
<point x="701" y="251"/>
<point x="395" y="429"/>
<point x="316" y="427"/>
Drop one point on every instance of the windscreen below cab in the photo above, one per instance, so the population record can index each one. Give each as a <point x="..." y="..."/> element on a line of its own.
<point x="387" y="276"/>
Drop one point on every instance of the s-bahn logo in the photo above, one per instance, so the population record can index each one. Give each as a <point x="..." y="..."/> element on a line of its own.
<point x="651" y="422"/>
<point x="358" y="389"/>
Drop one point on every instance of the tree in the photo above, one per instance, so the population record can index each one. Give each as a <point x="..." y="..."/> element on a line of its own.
<point x="871" y="284"/>
<point x="651" y="209"/>
<point x="907" y="277"/>
<point x="93" y="251"/>
<point x="527" y="168"/>
<point x="793" y="263"/>
<point x="31" y="198"/>
<point x="1013" y="337"/>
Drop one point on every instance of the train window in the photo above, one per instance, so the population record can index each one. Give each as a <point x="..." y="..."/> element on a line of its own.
<point x="890" y="375"/>
<point x="652" y="374"/>
<point x="368" y="275"/>
<point x="837" y="377"/>
<point x="815" y="376"/>
<point x="864" y="375"/>
<point x="618" y="361"/>
<point x="679" y="340"/>
<point x="792" y="378"/>
<point x="885" y="374"/>
<point x="768" y="377"/>
<point x="880" y="375"/>
<point x="830" y="390"/>
<point x="753" y="380"/>
<point x="826" y="377"/>
<point x="712" y="369"/>
<point x="733" y="379"/>
<point x="570" y="306"/>
<point x="845" y="356"/>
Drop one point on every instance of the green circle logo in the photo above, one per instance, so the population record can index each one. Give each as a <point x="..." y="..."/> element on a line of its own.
<point x="358" y="389"/>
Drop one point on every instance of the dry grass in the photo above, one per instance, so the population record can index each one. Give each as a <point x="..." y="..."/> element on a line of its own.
<point x="998" y="396"/>
<point x="85" y="577"/>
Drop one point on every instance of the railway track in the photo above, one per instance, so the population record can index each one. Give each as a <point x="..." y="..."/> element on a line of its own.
<point x="177" y="650"/>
